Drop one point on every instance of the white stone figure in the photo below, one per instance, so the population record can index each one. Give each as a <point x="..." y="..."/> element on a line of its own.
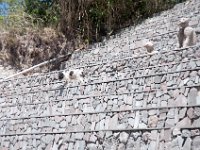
<point x="183" y="23"/>
<point x="72" y="75"/>
<point x="190" y="37"/>
<point x="150" y="47"/>
<point x="186" y="34"/>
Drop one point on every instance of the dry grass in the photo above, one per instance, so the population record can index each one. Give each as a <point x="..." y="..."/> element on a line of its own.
<point x="90" y="19"/>
<point x="31" y="47"/>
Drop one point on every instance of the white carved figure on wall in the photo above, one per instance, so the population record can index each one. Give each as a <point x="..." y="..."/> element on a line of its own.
<point x="186" y="34"/>
<point x="72" y="75"/>
<point x="150" y="47"/>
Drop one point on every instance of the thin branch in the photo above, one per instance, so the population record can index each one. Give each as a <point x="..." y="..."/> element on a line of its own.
<point x="59" y="59"/>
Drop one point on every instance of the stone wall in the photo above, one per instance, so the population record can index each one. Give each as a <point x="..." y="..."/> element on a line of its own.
<point x="170" y="62"/>
<point x="129" y="99"/>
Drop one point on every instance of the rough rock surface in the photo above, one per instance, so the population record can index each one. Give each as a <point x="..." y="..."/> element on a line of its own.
<point x="129" y="99"/>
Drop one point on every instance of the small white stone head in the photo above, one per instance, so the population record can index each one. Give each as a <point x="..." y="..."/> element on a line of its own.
<point x="183" y="22"/>
<point x="149" y="46"/>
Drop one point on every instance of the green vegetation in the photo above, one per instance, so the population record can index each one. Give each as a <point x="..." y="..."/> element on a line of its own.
<point x="86" y="20"/>
<point x="36" y="30"/>
<point x="46" y="10"/>
<point x="15" y="18"/>
<point x="92" y="19"/>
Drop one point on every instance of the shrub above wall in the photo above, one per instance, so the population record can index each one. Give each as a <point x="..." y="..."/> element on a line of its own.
<point x="90" y="19"/>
